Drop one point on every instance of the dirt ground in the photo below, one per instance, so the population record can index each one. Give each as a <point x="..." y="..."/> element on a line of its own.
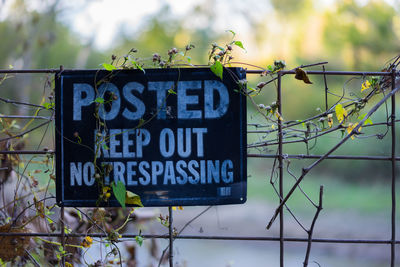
<point x="251" y="218"/>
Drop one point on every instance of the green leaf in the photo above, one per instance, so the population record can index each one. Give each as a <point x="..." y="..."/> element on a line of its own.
<point x="119" y="191"/>
<point x="109" y="67"/>
<point x="233" y="33"/>
<point x="134" y="63"/>
<point x="217" y="69"/>
<point x="239" y="43"/>
<point x="48" y="106"/>
<point x="302" y="123"/>
<point x="133" y="199"/>
<point x="367" y="121"/>
<point x="171" y="91"/>
<point x="139" y="240"/>
<point x="79" y="215"/>
<point x="99" y="100"/>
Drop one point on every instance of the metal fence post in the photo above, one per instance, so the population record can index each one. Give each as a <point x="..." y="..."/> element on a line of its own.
<point x="62" y="236"/>
<point x="171" y="238"/>
<point x="280" y="167"/>
<point x="393" y="127"/>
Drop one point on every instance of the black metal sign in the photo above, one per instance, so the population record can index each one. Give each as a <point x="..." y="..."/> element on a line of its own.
<point x="172" y="136"/>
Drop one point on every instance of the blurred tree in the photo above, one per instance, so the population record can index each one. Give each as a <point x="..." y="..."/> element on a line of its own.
<point x="162" y="31"/>
<point x="362" y="34"/>
<point x="291" y="7"/>
<point x="36" y="39"/>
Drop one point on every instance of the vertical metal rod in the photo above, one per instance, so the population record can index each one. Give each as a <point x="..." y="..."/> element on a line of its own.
<point x="280" y="167"/>
<point x="62" y="236"/>
<point x="171" y="238"/>
<point x="393" y="126"/>
<point x="326" y="89"/>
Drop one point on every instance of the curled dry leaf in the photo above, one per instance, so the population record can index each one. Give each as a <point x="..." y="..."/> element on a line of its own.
<point x="302" y="75"/>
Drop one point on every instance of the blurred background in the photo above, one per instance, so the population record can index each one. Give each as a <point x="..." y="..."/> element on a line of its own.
<point x="350" y="35"/>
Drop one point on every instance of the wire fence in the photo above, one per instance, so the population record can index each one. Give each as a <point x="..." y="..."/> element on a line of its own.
<point x="278" y="158"/>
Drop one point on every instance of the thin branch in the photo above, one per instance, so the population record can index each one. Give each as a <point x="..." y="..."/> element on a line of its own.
<point x="289" y="210"/>
<point x="183" y="228"/>
<point x="32" y="259"/>
<point x="9" y="101"/>
<point x="310" y="232"/>
<point x="193" y="219"/>
<point x="317" y="162"/>
<point x="25" y="132"/>
<point x="301" y="66"/>
<point x="24" y="117"/>
<point x="92" y="221"/>
<point x="301" y="189"/>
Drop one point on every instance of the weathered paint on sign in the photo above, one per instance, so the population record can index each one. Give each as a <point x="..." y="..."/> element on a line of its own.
<point x="172" y="136"/>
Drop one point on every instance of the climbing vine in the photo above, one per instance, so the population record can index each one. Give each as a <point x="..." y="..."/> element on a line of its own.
<point x="349" y="116"/>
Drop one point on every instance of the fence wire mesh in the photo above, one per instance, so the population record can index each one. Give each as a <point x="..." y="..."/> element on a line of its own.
<point x="43" y="118"/>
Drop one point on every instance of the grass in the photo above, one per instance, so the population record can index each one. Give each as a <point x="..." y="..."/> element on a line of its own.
<point x="338" y="194"/>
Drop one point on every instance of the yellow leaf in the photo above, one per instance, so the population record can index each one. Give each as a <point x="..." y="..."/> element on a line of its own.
<point x="87" y="242"/>
<point x="278" y="116"/>
<point x="179" y="208"/>
<point x="106" y="189"/>
<point x="132" y="198"/>
<point x="365" y="85"/>
<point x="350" y="128"/>
<point x="341" y="113"/>
<point x="330" y="120"/>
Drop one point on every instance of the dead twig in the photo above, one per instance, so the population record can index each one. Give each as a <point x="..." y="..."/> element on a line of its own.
<point x="310" y="232"/>
<point x="317" y="162"/>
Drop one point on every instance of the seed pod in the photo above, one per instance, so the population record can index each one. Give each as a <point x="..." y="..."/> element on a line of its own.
<point x="156" y="57"/>
<point x="261" y="85"/>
